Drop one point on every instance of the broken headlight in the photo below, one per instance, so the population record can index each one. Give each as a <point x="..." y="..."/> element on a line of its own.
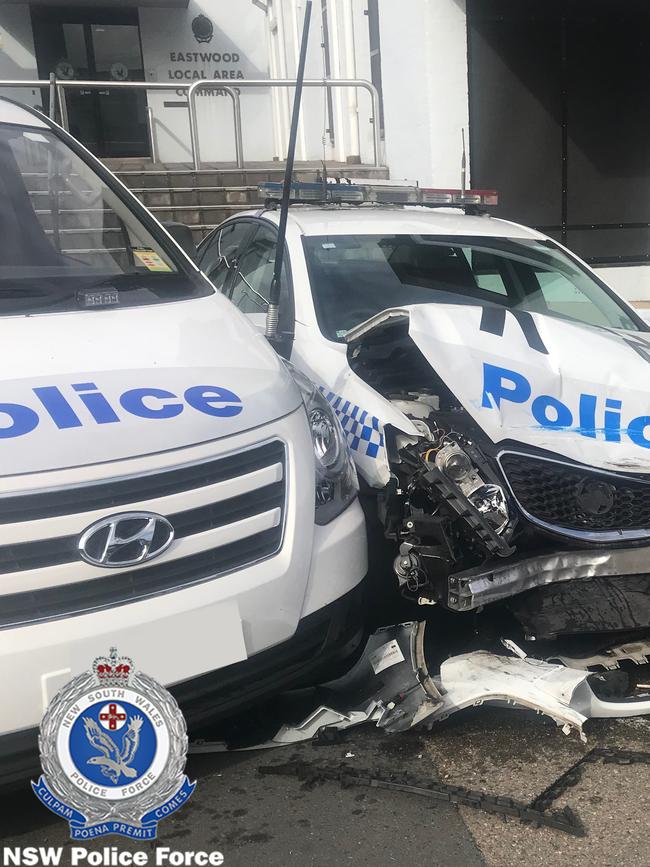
<point x="488" y="499"/>
<point x="336" y="476"/>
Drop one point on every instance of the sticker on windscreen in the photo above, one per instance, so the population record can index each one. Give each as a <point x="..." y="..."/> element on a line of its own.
<point x="150" y="259"/>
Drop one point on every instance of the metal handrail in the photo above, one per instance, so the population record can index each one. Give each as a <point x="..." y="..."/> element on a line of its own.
<point x="135" y="85"/>
<point x="277" y="82"/>
<point x="191" y="90"/>
<point x="23" y="82"/>
<point x="152" y="135"/>
<point x="34" y="85"/>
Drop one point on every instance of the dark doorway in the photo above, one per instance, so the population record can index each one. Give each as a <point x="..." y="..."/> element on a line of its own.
<point x="96" y="45"/>
<point x="560" y="119"/>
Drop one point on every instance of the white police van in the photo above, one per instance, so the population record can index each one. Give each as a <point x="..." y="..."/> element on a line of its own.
<point x="494" y="394"/>
<point x="162" y="487"/>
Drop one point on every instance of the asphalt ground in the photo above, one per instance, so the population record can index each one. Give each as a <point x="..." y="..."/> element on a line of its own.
<point x="275" y="820"/>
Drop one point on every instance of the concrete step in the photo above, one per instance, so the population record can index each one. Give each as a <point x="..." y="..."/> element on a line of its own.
<point x="199" y="199"/>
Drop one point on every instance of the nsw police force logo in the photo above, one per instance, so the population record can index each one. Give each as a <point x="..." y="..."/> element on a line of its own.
<point x="113" y="745"/>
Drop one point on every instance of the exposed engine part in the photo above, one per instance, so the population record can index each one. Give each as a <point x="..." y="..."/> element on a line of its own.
<point x="481" y="522"/>
<point x="490" y="501"/>
<point x="538" y="540"/>
<point x="446" y="505"/>
<point x="414" y="565"/>
<point x="408" y="568"/>
<point x="457" y="466"/>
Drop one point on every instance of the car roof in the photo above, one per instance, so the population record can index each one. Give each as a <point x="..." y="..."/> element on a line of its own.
<point x="396" y="219"/>
<point x="13" y="112"/>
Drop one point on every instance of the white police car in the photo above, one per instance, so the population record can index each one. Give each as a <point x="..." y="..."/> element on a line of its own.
<point x="493" y="391"/>
<point x="160" y="488"/>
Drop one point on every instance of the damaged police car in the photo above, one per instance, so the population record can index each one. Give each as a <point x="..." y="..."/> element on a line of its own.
<point x="493" y="391"/>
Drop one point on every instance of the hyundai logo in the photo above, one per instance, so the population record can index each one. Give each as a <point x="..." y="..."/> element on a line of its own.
<point x="126" y="539"/>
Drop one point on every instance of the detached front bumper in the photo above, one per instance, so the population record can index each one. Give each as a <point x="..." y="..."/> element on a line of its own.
<point x="501" y="579"/>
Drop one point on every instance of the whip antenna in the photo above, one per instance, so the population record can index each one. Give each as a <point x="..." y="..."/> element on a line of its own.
<point x="273" y="310"/>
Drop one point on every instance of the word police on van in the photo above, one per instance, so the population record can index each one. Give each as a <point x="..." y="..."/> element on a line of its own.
<point x="152" y="403"/>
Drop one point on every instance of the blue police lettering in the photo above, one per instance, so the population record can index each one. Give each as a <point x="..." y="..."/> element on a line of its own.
<point x="95" y="402"/>
<point x="560" y="415"/>
<point x="16" y="419"/>
<point x="158" y="404"/>
<point x="213" y="401"/>
<point x="57" y="407"/>
<point x="23" y="420"/>
<point x="502" y="385"/>
<point x="494" y="386"/>
<point x="613" y="421"/>
<point x="588" y="415"/>
<point x="636" y="430"/>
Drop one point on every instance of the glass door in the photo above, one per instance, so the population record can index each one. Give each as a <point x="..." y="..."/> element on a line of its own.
<point x="97" y="45"/>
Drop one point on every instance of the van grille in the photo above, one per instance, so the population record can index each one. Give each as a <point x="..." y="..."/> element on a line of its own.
<point x="263" y="506"/>
<point x="121" y="492"/>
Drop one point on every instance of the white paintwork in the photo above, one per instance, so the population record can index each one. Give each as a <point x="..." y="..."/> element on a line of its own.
<point x="65" y="574"/>
<point x="375" y="220"/>
<point x="606" y="366"/>
<point x="182" y="634"/>
<point x="187" y="632"/>
<point x="155" y="351"/>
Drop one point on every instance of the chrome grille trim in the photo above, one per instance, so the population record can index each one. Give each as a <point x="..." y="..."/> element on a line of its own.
<point x="261" y="511"/>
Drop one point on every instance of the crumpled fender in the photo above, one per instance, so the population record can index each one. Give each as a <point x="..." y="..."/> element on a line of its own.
<point x="577" y="390"/>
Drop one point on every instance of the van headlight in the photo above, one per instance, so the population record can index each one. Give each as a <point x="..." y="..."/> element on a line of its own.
<point x="336" y="476"/>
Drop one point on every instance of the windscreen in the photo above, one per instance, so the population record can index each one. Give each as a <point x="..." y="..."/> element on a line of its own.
<point x="354" y="277"/>
<point x="67" y="240"/>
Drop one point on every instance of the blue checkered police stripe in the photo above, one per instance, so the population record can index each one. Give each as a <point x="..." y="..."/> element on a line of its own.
<point x="363" y="431"/>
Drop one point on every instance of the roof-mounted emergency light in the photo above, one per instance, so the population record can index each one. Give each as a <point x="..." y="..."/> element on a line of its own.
<point x="390" y="194"/>
<point x="459" y="198"/>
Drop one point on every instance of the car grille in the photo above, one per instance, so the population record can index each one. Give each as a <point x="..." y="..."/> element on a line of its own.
<point x="576" y="499"/>
<point x="262" y="505"/>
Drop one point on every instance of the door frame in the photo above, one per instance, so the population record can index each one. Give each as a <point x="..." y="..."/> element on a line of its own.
<point x="43" y="18"/>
